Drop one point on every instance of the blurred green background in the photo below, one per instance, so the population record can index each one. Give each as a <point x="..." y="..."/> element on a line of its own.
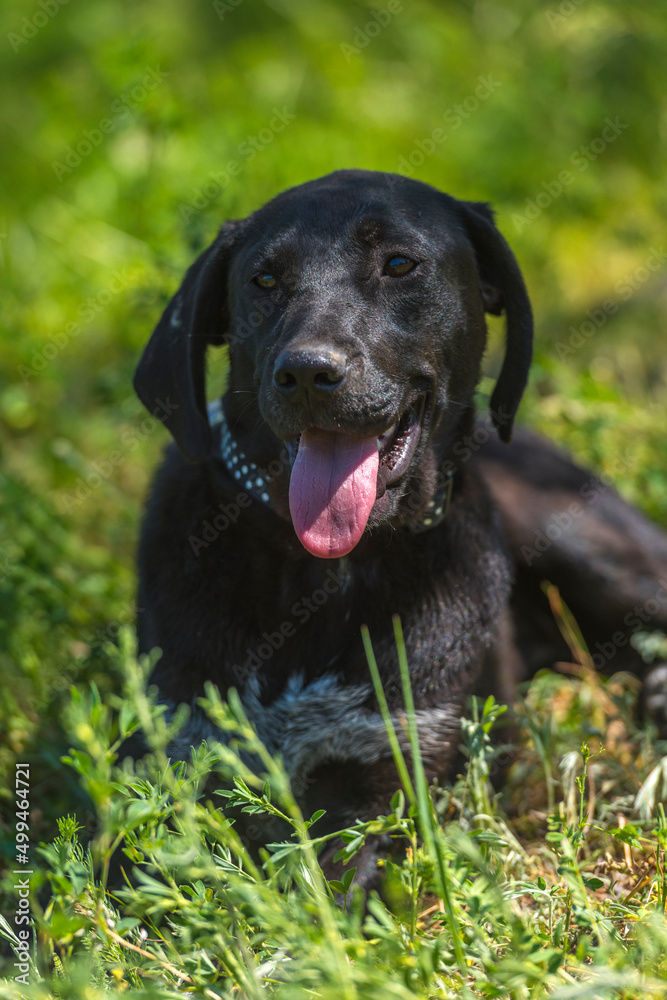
<point x="130" y="130"/>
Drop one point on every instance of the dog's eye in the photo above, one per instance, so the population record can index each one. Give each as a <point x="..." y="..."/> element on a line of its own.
<point x="265" y="280"/>
<point x="398" y="265"/>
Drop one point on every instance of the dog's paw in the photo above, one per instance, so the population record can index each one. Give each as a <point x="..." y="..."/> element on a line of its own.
<point x="655" y="697"/>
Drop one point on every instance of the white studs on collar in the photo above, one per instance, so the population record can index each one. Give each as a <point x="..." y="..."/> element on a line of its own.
<point x="247" y="473"/>
<point x="436" y="512"/>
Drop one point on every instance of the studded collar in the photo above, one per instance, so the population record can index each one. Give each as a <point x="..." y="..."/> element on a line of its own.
<point x="255" y="480"/>
<point x="248" y="474"/>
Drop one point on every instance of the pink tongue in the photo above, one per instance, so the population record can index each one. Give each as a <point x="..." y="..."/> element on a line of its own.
<point x="332" y="490"/>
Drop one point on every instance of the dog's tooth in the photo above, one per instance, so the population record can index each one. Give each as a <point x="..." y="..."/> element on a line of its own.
<point x="389" y="433"/>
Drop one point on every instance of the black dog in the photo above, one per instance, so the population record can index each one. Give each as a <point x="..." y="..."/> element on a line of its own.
<point x="333" y="487"/>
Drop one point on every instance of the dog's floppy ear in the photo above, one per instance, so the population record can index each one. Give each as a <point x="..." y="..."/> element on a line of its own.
<point x="171" y="377"/>
<point x="503" y="289"/>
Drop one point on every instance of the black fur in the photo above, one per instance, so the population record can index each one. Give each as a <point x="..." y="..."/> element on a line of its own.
<point x="410" y="341"/>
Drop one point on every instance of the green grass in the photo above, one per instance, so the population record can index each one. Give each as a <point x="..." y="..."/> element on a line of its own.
<point x="564" y="896"/>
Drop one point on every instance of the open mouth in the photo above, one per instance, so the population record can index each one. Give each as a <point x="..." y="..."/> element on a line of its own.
<point x="337" y="478"/>
<point x="397" y="446"/>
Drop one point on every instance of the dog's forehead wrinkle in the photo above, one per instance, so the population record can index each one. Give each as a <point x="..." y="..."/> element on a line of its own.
<point x="304" y="259"/>
<point x="325" y="270"/>
<point x="370" y="230"/>
<point x="384" y="225"/>
<point x="276" y="246"/>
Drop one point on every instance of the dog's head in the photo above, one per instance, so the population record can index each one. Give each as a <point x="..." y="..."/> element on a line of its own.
<point x="353" y="307"/>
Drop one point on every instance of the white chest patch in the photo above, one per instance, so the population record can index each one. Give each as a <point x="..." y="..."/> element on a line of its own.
<point x="323" y="722"/>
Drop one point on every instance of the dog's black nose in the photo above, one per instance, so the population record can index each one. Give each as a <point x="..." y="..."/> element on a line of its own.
<point x="302" y="370"/>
